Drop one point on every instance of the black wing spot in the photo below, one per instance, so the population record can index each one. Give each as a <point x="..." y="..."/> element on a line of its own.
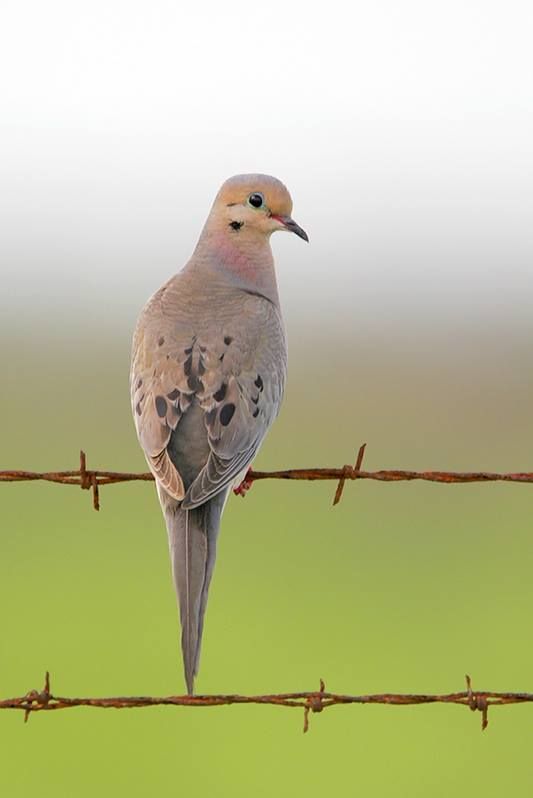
<point x="228" y="339"/>
<point x="259" y="382"/>
<point x="226" y="414"/>
<point x="187" y="366"/>
<point x="173" y="395"/>
<point x="138" y="408"/>
<point x="236" y="225"/>
<point x="161" y="340"/>
<point x="139" y="383"/>
<point x="220" y="394"/>
<point x="256" y="412"/>
<point x="161" y="406"/>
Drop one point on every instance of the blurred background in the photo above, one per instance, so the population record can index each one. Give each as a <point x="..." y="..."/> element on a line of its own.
<point x="404" y="132"/>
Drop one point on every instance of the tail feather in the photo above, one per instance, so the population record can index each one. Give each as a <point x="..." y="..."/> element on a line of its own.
<point x="192" y="536"/>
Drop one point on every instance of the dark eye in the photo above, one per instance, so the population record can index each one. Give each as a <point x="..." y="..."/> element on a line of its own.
<point x="256" y="200"/>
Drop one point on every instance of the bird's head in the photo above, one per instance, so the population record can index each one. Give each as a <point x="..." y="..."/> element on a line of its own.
<point x="255" y="204"/>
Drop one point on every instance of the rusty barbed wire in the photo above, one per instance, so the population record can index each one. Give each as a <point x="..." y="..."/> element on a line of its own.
<point x="310" y="702"/>
<point x="92" y="480"/>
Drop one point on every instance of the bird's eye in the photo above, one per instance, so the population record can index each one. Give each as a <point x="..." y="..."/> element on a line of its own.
<point x="256" y="200"/>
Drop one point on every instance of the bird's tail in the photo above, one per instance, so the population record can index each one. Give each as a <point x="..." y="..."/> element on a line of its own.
<point x="192" y="538"/>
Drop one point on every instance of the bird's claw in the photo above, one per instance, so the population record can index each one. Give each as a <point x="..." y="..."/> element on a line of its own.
<point x="244" y="487"/>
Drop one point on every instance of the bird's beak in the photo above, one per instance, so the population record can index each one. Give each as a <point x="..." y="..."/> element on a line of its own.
<point x="290" y="225"/>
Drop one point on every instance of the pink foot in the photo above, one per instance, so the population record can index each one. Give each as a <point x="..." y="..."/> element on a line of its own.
<point x="244" y="487"/>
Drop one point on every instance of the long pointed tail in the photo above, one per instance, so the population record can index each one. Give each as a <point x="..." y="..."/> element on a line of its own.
<point x="192" y="537"/>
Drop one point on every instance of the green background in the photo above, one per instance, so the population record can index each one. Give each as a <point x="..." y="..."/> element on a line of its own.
<point x="404" y="132"/>
<point x="402" y="587"/>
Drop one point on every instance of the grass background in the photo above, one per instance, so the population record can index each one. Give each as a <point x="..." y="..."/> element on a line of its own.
<point x="400" y="588"/>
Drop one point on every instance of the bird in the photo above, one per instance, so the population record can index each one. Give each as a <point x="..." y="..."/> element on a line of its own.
<point x="208" y="371"/>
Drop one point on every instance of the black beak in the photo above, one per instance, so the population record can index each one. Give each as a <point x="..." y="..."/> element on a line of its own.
<point x="292" y="227"/>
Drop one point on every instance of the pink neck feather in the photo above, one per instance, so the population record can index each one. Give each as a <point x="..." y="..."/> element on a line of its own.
<point x="245" y="258"/>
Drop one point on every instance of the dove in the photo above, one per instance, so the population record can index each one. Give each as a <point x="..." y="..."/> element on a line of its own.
<point x="209" y="363"/>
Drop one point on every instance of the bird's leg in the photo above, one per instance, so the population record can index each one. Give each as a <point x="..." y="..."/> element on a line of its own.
<point x="244" y="487"/>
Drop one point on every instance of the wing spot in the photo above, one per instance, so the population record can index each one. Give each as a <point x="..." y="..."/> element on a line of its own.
<point x="256" y="412"/>
<point x="187" y="366"/>
<point x="226" y="414"/>
<point x="173" y="395"/>
<point x="228" y="339"/>
<point x="161" y="406"/>
<point x="161" y="340"/>
<point x="220" y="394"/>
<point x="259" y="383"/>
<point x="138" y="408"/>
<point x="255" y="399"/>
<point x="139" y="383"/>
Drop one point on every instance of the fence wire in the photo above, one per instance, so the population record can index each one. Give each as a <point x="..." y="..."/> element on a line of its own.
<point x="311" y="702"/>
<point x="93" y="480"/>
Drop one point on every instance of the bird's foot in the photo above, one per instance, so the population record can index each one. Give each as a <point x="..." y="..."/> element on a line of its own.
<point x="244" y="487"/>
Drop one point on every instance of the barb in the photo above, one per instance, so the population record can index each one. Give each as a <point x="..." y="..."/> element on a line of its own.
<point x="88" y="480"/>
<point x="349" y="473"/>
<point x="318" y="701"/>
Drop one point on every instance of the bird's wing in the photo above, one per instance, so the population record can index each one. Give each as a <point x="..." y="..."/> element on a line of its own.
<point x="242" y="396"/>
<point x="231" y="363"/>
<point x="160" y="391"/>
<point x="238" y="415"/>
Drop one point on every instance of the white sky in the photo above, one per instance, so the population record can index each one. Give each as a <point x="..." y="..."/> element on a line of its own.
<point x="404" y="131"/>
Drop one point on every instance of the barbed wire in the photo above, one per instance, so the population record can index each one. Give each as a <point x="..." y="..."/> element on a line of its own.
<point x="314" y="701"/>
<point x="93" y="480"/>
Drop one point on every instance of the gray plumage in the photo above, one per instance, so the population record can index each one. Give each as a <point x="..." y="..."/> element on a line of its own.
<point x="207" y="379"/>
<point x="192" y="539"/>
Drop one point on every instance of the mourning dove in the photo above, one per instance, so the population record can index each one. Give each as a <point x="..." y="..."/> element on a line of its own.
<point x="207" y="377"/>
